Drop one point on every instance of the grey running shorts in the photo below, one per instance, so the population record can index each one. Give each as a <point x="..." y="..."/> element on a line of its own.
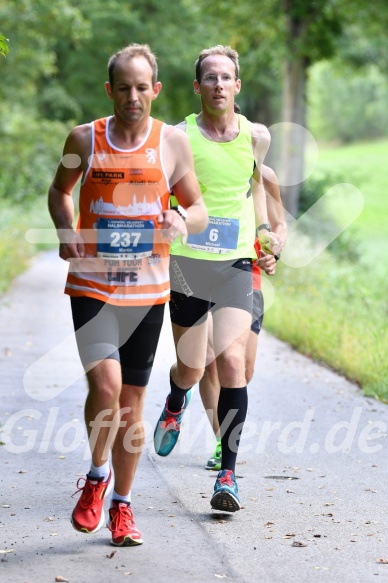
<point x="198" y="285"/>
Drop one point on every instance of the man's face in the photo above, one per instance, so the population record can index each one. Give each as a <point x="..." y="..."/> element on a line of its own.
<point x="218" y="84"/>
<point x="132" y="92"/>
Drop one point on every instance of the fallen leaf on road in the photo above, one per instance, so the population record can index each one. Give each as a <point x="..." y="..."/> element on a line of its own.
<point x="382" y="561"/>
<point x="111" y="555"/>
<point x="298" y="544"/>
<point x="61" y="579"/>
<point x="48" y="519"/>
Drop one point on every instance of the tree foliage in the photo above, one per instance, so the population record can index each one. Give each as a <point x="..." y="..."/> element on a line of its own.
<point x="3" y="45"/>
<point x="54" y="74"/>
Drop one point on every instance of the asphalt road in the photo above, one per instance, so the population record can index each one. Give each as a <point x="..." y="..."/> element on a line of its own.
<point x="312" y="468"/>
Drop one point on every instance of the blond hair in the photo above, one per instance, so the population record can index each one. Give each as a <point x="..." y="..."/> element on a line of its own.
<point x="133" y="50"/>
<point x="217" y="50"/>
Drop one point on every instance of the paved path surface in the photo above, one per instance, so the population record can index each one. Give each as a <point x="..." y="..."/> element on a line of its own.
<point x="313" y="468"/>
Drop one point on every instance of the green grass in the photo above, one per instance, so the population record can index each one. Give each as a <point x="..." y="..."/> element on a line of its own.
<point x="366" y="166"/>
<point x="15" y="251"/>
<point x="336" y="310"/>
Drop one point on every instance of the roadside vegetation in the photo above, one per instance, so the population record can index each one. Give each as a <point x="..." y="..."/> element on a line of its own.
<point x="336" y="309"/>
<point x="15" y="251"/>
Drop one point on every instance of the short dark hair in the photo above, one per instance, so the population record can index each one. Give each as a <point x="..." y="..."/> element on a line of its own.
<point x="217" y="50"/>
<point x="134" y="50"/>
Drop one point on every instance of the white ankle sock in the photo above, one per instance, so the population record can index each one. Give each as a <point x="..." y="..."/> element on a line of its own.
<point x="120" y="498"/>
<point x="100" y="471"/>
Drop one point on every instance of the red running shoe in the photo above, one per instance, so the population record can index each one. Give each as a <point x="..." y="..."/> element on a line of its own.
<point x="88" y="514"/>
<point x="122" y="525"/>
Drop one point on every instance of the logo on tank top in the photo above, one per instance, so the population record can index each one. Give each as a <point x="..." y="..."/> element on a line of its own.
<point x="151" y="155"/>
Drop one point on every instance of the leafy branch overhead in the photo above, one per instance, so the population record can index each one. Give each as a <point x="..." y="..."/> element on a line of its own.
<point x="3" y="46"/>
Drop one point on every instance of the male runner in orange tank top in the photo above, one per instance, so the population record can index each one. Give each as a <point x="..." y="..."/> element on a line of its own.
<point x="118" y="279"/>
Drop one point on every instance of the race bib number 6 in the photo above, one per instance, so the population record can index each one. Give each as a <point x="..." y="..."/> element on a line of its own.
<point x="124" y="238"/>
<point x="220" y="236"/>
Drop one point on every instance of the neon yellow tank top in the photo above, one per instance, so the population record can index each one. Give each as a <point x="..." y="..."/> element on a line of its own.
<point x="224" y="171"/>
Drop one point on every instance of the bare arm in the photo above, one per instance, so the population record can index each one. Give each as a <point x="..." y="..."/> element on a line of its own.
<point x="185" y="186"/>
<point x="269" y="241"/>
<point x="274" y="203"/>
<point x="267" y="261"/>
<point x="60" y="201"/>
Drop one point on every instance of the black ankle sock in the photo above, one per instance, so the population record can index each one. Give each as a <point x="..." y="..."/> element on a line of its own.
<point x="234" y="401"/>
<point x="176" y="398"/>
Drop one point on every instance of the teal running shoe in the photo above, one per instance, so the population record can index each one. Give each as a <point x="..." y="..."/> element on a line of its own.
<point x="168" y="427"/>
<point x="225" y="495"/>
<point x="214" y="462"/>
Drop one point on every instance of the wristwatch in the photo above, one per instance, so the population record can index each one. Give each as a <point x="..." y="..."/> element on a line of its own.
<point x="181" y="211"/>
<point x="265" y="226"/>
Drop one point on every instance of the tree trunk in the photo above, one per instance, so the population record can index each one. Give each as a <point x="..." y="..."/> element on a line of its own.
<point x="293" y="132"/>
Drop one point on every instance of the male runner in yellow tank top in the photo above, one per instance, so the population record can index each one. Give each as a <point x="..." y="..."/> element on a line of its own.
<point x="214" y="270"/>
<point x="118" y="279"/>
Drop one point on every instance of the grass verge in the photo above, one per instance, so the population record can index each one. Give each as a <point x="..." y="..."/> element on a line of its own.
<point x="336" y="309"/>
<point x="15" y="251"/>
<point x="337" y="315"/>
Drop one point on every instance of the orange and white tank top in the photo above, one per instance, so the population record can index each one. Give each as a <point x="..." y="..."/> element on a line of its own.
<point x="122" y="193"/>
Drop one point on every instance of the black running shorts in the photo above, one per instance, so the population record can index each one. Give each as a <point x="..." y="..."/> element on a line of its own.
<point x="127" y="334"/>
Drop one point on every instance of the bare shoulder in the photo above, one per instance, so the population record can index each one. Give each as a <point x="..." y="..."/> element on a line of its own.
<point x="176" y="139"/>
<point x="175" y="132"/>
<point x="260" y="134"/>
<point x="79" y="140"/>
<point x="177" y="153"/>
